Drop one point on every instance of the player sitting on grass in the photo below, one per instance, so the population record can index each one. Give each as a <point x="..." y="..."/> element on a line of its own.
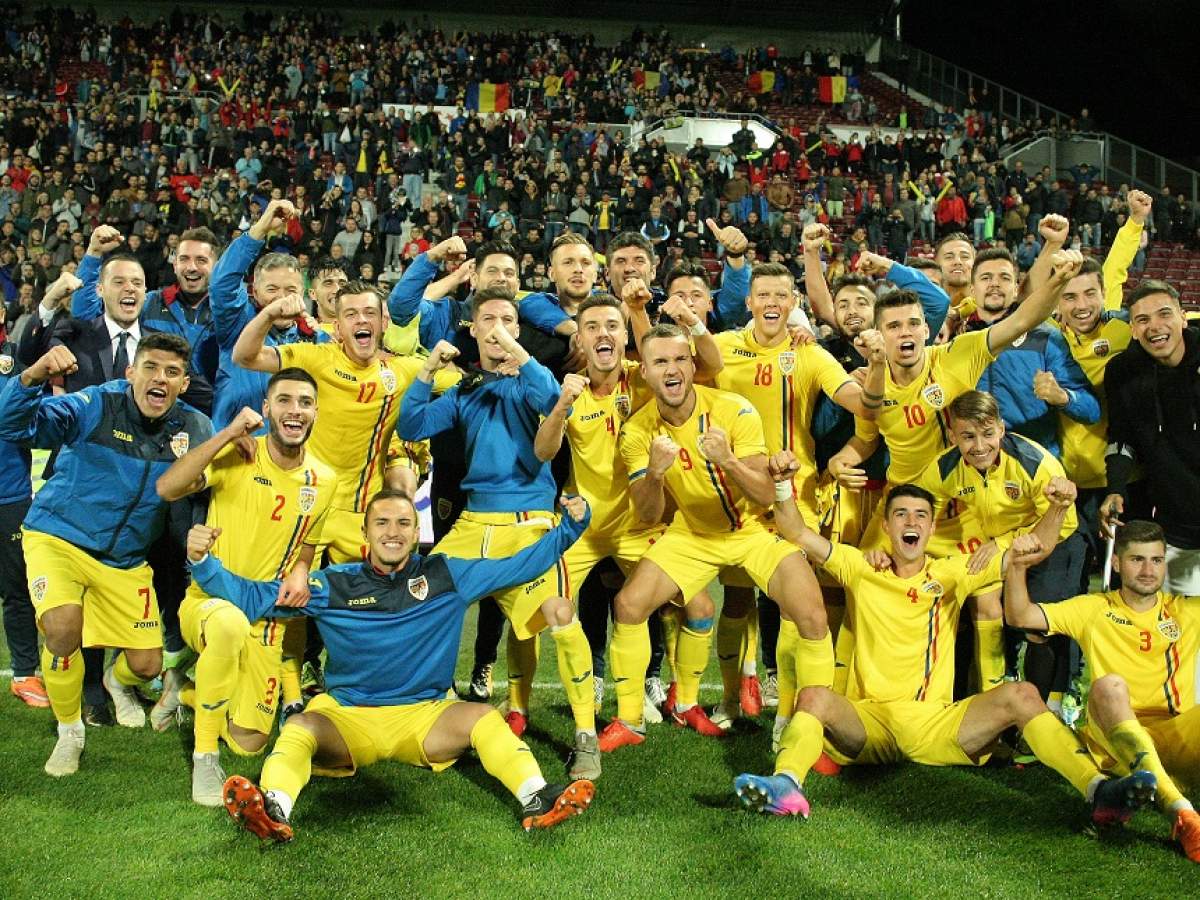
<point x="1141" y="647"/>
<point x="898" y="703"/>
<point x="391" y="626"/>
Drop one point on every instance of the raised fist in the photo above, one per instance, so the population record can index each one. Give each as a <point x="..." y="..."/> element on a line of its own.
<point x="1054" y="229"/>
<point x="104" y="240"/>
<point x="200" y="541"/>
<point x="663" y="451"/>
<point x="451" y="248"/>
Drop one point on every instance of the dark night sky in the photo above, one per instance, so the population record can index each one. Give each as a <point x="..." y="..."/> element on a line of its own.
<point x="1133" y="64"/>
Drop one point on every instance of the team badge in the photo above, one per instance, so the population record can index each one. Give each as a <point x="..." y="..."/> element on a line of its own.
<point x="624" y="406"/>
<point x="1100" y="348"/>
<point x="419" y="587"/>
<point x="933" y="588"/>
<point x="1019" y="341"/>
<point x="37" y="588"/>
<point x="787" y="361"/>
<point x="307" y="499"/>
<point x="934" y="396"/>
<point x="388" y="377"/>
<point x="444" y="508"/>
<point x="180" y="443"/>
<point x="6" y="364"/>
<point x="1012" y="490"/>
<point x="1169" y="629"/>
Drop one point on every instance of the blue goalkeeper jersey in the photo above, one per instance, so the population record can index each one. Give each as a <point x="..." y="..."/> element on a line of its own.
<point x="392" y="639"/>
<point x="499" y="417"/>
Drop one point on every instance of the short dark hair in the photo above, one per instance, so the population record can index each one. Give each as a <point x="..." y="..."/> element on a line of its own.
<point x="629" y="239"/>
<point x="358" y="286"/>
<point x="851" y="279"/>
<point x="119" y="257"/>
<point x="922" y="263"/>
<point x="951" y="237"/>
<point x="1148" y="287"/>
<point x="484" y="295"/>
<point x="770" y="270"/>
<point x="566" y="239"/>
<point x="495" y="248"/>
<point x="686" y="269"/>
<point x="291" y="373"/>
<point x="387" y="494"/>
<point x="321" y="265"/>
<point x="595" y="300"/>
<point x="662" y="330"/>
<point x="1137" y="531"/>
<point x="991" y="254"/>
<point x="907" y="490"/>
<point x="166" y="342"/>
<point x="975" y="406"/>
<point x="895" y="299"/>
<point x="202" y="235"/>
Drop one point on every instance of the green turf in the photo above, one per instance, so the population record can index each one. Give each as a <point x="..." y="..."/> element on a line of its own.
<point x="664" y="824"/>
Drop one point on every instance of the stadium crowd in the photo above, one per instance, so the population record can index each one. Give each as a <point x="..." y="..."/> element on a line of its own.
<point x="258" y="291"/>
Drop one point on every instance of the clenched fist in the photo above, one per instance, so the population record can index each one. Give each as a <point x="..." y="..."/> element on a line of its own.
<point x="1054" y="229"/>
<point x="663" y="451"/>
<point x="1047" y="389"/>
<point x="57" y="361"/>
<point x="200" y="540"/>
<point x="635" y="294"/>
<point x="783" y="466"/>
<point x="573" y="386"/>
<point x="1065" y="266"/>
<point x="679" y="310"/>
<point x="872" y="264"/>
<point x="1061" y="491"/>
<point x="870" y="344"/>
<point x="451" y="248"/>
<point x="714" y="444"/>
<point x="246" y="422"/>
<point x="274" y="219"/>
<point x="730" y="237"/>
<point x="104" y="240"/>
<point x="814" y="237"/>
<point x="1140" y="204"/>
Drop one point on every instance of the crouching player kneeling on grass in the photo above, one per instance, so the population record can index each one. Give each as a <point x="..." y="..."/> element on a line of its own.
<point x="391" y="626"/>
<point x="898" y="703"/>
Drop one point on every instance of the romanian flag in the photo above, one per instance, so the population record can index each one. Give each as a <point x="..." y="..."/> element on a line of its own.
<point x="484" y="96"/>
<point x="831" y="88"/>
<point x="647" y="81"/>
<point x="762" y="82"/>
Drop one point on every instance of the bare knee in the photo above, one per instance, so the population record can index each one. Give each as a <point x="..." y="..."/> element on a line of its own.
<point x="700" y="607"/>
<point x="249" y="741"/>
<point x="627" y="610"/>
<point x="558" y="611"/>
<point x="63" y="628"/>
<point x="814" y="700"/>
<point x="306" y="722"/>
<point x="145" y="664"/>
<point x="1109" y="691"/>
<point x="1021" y="700"/>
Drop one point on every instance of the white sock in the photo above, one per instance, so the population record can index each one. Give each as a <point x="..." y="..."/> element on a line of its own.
<point x="285" y="802"/>
<point x="75" y="728"/>
<point x="750" y="668"/>
<point x="683" y="707"/>
<point x="1092" y="785"/>
<point x="1181" y="804"/>
<point x="529" y="788"/>
<point x="201" y="756"/>
<point x="590" y="733"/>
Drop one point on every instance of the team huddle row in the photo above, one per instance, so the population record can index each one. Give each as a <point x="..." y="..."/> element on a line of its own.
<point x="864" y="483"/>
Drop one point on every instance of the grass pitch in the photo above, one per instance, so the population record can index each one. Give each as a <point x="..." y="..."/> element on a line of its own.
<point x="665" y="823"/>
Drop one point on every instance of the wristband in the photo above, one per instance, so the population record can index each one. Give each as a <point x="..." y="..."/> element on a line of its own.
<point x="698" y="329"/>
<point x="783" y="491"/>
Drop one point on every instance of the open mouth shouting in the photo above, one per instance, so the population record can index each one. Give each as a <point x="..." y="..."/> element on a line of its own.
<point x="605" y="351"/>
<point x="673" y="387"/>
<point x="910" y="538"/>
<point x="855" y="323"/>
<point x="156" y="398"/>
<point x="364" y="340"/>
<point x="128" y="304"/>
<point x="292" y="428"/>
<point x="192" y="282"/>
<point x="1158" y="342"/>
<point x="907" y="348"/>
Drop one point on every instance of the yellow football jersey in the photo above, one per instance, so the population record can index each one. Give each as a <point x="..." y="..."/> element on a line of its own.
<point x="707" y="499"/>
<point x="266" y="513"/>
<point x="904" y="628"/>
<point x="1154" y="651"/>
<point x="912" y="418"/>
<point x="1009" y="498"/>
<point x="597" y="470"/>
<point x="359" y="408"/>
<point x="783" y="383"/>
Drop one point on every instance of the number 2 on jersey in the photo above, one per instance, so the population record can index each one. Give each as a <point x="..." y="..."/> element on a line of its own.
<point x="275" y="513"/>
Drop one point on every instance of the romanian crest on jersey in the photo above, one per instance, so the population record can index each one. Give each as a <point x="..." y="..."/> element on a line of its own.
<point x="37" y="588"/>
<point x="1012" y="490"/>
<point x="444" y="508"/>
<point x="934" y="396"/>
<point x="1101" y="348"/>
<point x="933" y="588"/>
<point x="1169" y="629"/>
<point x="419" y="587"/>
<point x="1019" y="341"/>
<point x="307" y="499"/>
<point x="388" y="377"/>
<point x="6" y="364"/>
<point x="787" y="362"/>
<point x="624" y="406"/>
<point x="180" y="443"/>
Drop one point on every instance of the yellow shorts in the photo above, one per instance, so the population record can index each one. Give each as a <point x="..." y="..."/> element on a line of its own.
<point x="625" y="548"/>
<point x="693" y="560"/>
<point x="479" y="535"/>
<point x="342" y="537"/>
<point x="373" y="733"/>
<point x="909" y="730"/>
<point x="1176" y="740"/>
<point x="120" y="608"/>
<point x="255" y="699"/>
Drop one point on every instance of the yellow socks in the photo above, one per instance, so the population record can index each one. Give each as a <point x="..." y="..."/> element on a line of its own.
<point x="295" y="637"/>
<point x="504" y="755"/>
<point x="814" y="662"/>
<point x="731" y="635"/>
<point x="1135" y="750"/>
<point x="629" y="654"/>
<point x="63" y="676"/>
<point x="799" y="746"/>
<point x="1056" y="746"/>
<point x="843" y="653"/>
<point x="750" y="644"/>
<point x="125" y="675"/>
<point x="575" y="671"/>
<point x="289" y="765"/>
<point x="522" y="666"/>
<point x="785" y="663"/>
<point x="691" y="656"/>
<point x="225" y="632"/>
<point x="989" y="652"/>
<point x="672" y="621"/>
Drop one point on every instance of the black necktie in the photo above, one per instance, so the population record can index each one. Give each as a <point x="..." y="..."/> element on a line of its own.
<point x="121" y="357"/>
